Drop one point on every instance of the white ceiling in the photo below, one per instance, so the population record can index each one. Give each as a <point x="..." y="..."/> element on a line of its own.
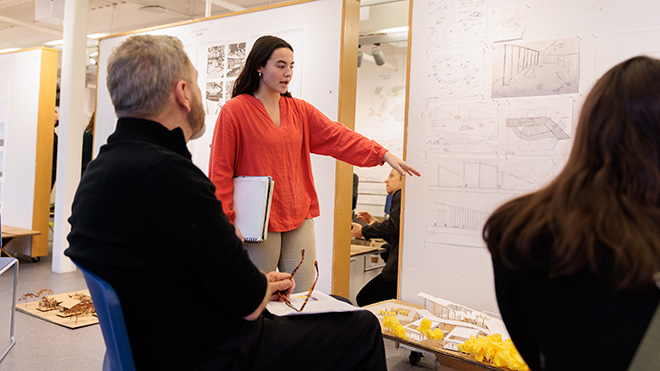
<point x="19" y="28"/>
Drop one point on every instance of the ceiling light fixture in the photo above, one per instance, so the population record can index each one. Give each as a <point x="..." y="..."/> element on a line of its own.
<point x="359" y="56"/>
<point x="378" y="55"/>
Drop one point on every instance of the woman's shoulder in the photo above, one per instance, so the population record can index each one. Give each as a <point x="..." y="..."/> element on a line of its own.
<point x="239" y="100"/>
<point x="297" y="103"/>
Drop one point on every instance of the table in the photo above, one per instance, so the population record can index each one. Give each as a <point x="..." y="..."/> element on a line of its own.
<point x="11" y="234"/>
<point x="457" y="360"/>
<point x="359" y="250"/>
<point x="5" y="265"/>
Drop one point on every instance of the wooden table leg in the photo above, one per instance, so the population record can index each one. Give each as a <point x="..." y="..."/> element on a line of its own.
<point x="6" y="252"/>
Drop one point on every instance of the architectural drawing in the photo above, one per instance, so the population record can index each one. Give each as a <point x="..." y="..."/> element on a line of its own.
<point x="461" y="127"/>
<point x="387" y="103"/>
<point x="215" y="62"/>
<point x="235" y="58"/>
<point x="454" y="24"/>
<point x="542" y="126"/>
<point x="223" y="64"/>
<point x="457" y="75"/>
<point x="214" y="97"/>
<point x="458" y="217"/>
<point x="506" y="175"/>
<point x="507" y="19"/>
<point x="540" y="68"/>
<point x="229" y="87"/>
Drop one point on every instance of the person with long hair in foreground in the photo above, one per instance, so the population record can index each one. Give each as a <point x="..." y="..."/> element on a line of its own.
<point x="574" y="262"/>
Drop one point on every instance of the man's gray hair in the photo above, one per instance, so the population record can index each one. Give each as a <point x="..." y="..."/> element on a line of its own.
<point x="143" y="70"/>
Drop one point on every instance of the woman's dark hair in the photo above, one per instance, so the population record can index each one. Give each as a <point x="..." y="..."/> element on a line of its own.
<point x="248" y="80"/>
<point x="602" y="212"/>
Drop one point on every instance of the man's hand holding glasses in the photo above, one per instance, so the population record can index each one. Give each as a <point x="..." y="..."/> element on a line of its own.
<point x="284" y="280"/>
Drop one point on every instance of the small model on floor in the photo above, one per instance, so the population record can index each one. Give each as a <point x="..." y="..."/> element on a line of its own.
<point x="38" y="295"/>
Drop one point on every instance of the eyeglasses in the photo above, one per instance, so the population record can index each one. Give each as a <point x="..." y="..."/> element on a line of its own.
<point x="309" y="294"/>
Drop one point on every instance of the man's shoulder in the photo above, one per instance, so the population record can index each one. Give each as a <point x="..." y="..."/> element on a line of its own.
<point x="396" y="197"/>
<point x="135" y="155"/>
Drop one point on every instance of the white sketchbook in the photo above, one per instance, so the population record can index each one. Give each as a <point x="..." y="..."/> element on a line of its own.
<point x="252" y="201"/>
<point x="318" y="302"/>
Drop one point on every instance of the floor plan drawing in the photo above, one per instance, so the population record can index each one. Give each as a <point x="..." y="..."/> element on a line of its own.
<point x="507" y="19"/>
<point x="454" y="24"/>
<point x="457" y="75"/>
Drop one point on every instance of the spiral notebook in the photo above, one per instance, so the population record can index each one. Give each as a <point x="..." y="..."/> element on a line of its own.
<point x="252" y="201"/>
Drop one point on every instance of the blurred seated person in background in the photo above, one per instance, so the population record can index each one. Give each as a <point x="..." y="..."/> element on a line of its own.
<point x="574" y="261"/>
<point x="88" y="143"/>
<point x="146" y="220"/>
<point x="383" y="286"/>
<point x="356" y="182"/>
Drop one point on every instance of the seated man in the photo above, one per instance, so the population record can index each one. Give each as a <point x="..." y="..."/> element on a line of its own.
<point x="146" y="220"/>
<point x="383" y="286"/>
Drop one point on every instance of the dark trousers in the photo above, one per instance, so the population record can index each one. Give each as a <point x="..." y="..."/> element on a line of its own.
<point x="327" y="341"/>
<point x="378" y="289"/>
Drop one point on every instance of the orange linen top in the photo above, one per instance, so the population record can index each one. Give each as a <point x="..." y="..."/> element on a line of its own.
<point x="247" y="142"/>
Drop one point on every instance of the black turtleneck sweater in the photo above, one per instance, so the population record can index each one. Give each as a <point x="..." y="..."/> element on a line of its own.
<point x="146" y="219"/>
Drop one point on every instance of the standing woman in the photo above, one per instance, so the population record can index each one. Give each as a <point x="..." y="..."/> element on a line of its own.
<point x="262" y="130"/>
<point x="574" y="263"/>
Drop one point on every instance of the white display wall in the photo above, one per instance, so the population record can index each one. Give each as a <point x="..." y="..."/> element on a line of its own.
<point x="27" y="78"/>
<point x="216" y="47"/>
<point x="498" y="89"/>
<point x="379" y="115"/>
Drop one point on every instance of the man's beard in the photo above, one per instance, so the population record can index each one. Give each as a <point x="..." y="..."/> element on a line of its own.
<point x="196" y="118"/>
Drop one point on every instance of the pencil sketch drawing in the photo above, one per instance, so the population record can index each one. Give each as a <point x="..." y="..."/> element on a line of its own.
<point x="456" y="23"/>
<point x="536" y="133"/>
<point x="457" y="75"/>
<point x="458" y="217"/>
<point x="539" y="68"/>
<point x="507" y="22"/>
<point x="495" y="174"/>
<point x="538" y="126"/>
<point x="215" y="62"/>
<point x="235" y="58"/>
<point x="461" y="127"/>
<point x="214" y="97"/>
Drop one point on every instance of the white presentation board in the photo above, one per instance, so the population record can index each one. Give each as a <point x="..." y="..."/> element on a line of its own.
<point x="498" y="89"/>
<point x="216" y="46"/>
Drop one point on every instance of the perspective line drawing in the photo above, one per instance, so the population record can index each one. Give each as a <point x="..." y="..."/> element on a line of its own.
<point x="539" y="68"/>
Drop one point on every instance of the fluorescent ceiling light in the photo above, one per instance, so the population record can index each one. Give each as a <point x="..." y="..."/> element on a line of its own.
<point x="55" y="42"/>
<point x="394" y="30"/>
<point x="97" y="35"/>
<point x="8" y="50"/>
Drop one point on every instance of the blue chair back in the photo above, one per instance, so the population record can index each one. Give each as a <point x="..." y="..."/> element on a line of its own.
<point x="388" y="204"/>
<point x="118" y="355"/>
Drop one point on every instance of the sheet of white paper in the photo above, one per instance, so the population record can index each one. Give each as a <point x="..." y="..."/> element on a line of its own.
<point x="318" y="303"/>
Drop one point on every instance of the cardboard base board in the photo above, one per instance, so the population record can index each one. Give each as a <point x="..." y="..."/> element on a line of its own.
<point x="72" y="322"/>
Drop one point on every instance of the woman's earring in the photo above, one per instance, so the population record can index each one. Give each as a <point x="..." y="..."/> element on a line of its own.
<point x="259" y="74"/>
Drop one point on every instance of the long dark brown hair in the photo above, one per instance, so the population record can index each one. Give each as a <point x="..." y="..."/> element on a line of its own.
<point x="247" y="81"/>
<point x="602" y="212"/>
